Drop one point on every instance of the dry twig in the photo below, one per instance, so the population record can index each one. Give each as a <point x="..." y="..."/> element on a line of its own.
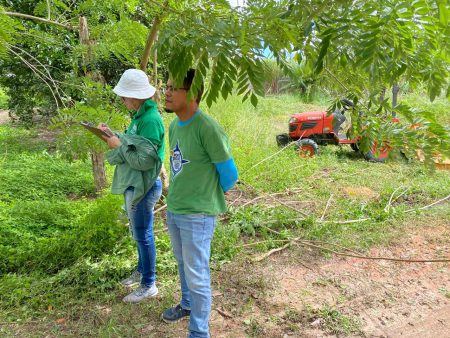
<point x="159" y="209"/>
<point x="371" y="257"/>
<point x="267" y="158"/>
<point x="326" y="207"/>
<point x="237" y="199"/>
<point x="429" y="205"/>
<point x="299" y="241"/>
<point x="347" y="222"/>
<point x="267" y="254"/>
<point x="288" y="206"/>
<point x="223" y="313"/>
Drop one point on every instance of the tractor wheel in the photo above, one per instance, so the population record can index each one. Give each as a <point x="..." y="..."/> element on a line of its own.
<point x="354" y="147"/>
<point x="283" y="140"/>
<point x="377" y="154"/>
<point x="306" y="148"/>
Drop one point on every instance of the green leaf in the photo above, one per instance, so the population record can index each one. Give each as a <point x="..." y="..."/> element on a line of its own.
<point x="443" y="12"/>
<point x="254" y="100"/>
<point x="323" y="51"/>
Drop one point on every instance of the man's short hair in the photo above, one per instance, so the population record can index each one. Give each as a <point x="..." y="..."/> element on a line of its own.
<point x="187" y="82"/>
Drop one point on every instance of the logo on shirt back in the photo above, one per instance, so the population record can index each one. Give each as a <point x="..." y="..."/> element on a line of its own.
<point x="132" y="130"/>
<point x="177" y="161"/>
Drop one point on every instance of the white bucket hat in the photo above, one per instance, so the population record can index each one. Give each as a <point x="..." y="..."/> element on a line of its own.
<point x="134" y="83"/>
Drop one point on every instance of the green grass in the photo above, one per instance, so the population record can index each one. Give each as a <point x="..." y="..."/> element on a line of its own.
<point x="3" y="99"/>
<point x="63" y="252"/>
<point x="440" y="107"/>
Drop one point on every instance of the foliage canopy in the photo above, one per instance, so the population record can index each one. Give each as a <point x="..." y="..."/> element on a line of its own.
<point x="360" y="46"/>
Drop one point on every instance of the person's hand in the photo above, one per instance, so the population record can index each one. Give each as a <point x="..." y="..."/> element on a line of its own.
<point x="105" y="128"/>
<point x="113" y="141"/>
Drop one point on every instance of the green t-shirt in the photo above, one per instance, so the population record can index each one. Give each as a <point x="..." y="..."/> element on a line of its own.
<point x="194" y="182"/>
<point x="147" y="122"/>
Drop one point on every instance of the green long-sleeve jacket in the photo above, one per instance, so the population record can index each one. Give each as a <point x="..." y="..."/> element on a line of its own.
<point x="137" y="165"/>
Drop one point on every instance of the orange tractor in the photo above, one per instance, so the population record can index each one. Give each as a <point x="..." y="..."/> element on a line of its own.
<point x="310" y="129"/>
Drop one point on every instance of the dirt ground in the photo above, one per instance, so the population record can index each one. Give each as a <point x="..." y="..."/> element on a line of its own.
<point x="4" y="116"/>
<point x="312" y="296"/>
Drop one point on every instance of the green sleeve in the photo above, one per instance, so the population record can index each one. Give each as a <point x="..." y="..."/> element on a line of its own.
<point x="115" y="157"/>
<point x="138" y="156"/>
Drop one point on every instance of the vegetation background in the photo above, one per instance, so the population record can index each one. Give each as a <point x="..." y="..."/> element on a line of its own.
<point x="64" y="244"/>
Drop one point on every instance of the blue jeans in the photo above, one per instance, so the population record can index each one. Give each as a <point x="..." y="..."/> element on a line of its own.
<point x="141" y="228"/>
<point x="191" y="237"/>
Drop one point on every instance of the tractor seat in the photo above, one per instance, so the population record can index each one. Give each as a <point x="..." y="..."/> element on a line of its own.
<point x="338" y="121"/>
<point x="341" y="136"/>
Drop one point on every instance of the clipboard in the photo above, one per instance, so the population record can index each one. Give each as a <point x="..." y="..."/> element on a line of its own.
<point x="96" y="131"/>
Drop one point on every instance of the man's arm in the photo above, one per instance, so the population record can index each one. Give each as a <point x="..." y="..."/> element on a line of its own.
<point x="228" y="174"/>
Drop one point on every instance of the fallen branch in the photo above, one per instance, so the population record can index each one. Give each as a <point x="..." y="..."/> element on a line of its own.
<point x="332" y="244"/>
<point x="347" y="222"/>
<point x="159" y="209"/>
<point x="223" y="313"/>
<point x="285" y="220"/>
<point x="159" y="231"/>
<point x="372" y="258"/>
<point x="388" y="205"/>
<point x="326" y="208"/>
<point x="288" y="206"/>
<point x="267" y="254"/>
<point x="354" y="255"/>
<point x="262" y="242"/>
<point x="268" y="158"/>
<point x="267" y="195"/>
<point x="237" y="199"/>
<point x="404" y="192"/>
<point x="429" y="205"/>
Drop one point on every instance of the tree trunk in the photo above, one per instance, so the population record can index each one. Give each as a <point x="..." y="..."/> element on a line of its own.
<point x="382" y="94"/>
<point x="395" y="90"/>
<point x="97" y="158"/>
<point x="152" y="36"/>
<point x="98" y="170"/>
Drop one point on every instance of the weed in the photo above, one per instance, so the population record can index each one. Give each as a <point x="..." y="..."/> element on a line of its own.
<point x="253" y="327"/>
<point x="336" y="322"/>
<point x="445" y="292"/>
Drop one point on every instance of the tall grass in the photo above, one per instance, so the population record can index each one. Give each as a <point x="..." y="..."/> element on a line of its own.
<point x="3" y="99"/>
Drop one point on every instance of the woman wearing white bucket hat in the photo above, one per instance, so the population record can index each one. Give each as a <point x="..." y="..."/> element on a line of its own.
<point x="136" y="174"/>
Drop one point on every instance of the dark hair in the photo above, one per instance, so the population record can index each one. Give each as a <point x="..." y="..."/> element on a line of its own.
<point x="187" y="82"/>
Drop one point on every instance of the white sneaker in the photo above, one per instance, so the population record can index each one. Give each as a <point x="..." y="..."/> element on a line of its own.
<point x="133" y="280"/>
<point x="141" y="293"/>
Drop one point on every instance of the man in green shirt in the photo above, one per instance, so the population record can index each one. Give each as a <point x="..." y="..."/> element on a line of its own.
<point x="202" y="170"/>
<point x="138" y="156"/>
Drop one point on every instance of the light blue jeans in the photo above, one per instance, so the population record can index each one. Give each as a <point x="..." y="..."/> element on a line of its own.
<point x="191" y="237"/>
<point x="141" y="228"/>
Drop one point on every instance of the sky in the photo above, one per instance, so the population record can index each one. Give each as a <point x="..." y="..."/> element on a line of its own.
<point x="235" y="3"/>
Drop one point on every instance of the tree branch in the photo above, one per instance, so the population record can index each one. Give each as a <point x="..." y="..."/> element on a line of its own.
<point x="152" y="37"/>
<point x="48" y="9"/>
<point x="36" y="18"/>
